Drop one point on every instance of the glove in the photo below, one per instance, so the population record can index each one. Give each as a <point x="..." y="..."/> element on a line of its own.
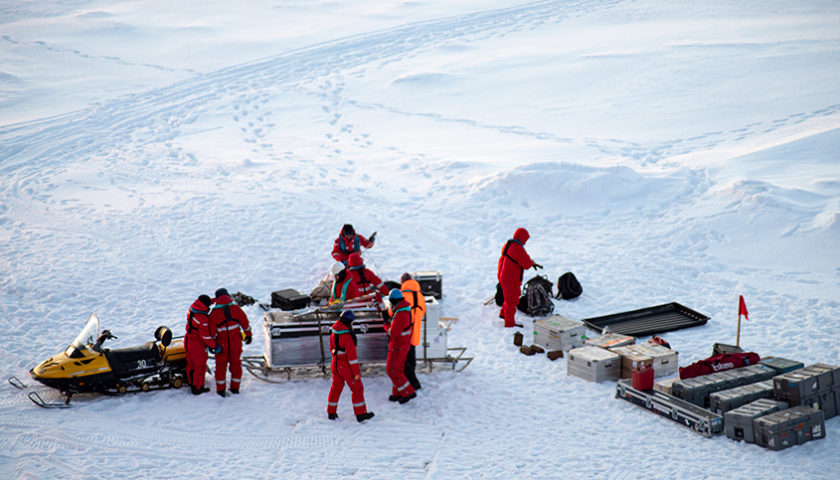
<point x="217" y="350"/>
<point x="537" y="266"/>
<point x="247" y="339"/>
<point x="372" y="237"/>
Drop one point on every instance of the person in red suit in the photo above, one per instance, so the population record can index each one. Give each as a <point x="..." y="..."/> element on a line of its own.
<point x="199" y="337"/>
<point x="366" y="281"/>
<point x="343" y="286"/>
<point x="399" y="341"/>
<point x="348" y="242"/>
<point x="345" y="368"/>
<point x="512" y="263"/>
<point x="229" y="320"/>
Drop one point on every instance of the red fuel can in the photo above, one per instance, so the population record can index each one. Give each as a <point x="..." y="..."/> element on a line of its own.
<point x="643" y="378"/>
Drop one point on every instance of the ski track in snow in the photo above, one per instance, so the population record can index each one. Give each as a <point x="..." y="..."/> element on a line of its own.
<point x="73" y="247"/>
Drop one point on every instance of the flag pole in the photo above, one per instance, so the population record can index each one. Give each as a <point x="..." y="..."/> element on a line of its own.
<point x="738" y="335"/>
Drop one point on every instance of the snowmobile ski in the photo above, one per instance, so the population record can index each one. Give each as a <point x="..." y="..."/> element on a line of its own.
<point x="17" y="383"/>
<point x="37" y="400"/>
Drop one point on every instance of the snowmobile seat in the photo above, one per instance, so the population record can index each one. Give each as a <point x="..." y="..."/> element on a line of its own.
<point x="146" y="355"/>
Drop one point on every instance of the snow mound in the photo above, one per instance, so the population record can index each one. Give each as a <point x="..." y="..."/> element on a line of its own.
<point x="577" y="190"/>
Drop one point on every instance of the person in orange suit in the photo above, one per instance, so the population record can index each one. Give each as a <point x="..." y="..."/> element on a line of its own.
<point x="411" y="292"/>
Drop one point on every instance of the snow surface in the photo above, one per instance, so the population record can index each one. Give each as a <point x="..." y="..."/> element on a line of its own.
<point x="663" y="151"/>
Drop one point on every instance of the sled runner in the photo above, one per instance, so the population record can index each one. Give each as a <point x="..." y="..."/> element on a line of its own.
<point x="86" y="367"/>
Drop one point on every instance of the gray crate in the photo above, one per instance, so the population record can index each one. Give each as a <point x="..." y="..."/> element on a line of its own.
<point x="593" y="363"/>
<point x="726" y="400"/>
<point x="697" y="390"/>
<point x="827" y="402"/>
<point x="738" y="423"/>
<point x="557" y="332"/>
<point x="790" y="427"/>
<point x="828" y="376"/>
<point x="805" y="382"/>
<point x="781" y="365"/>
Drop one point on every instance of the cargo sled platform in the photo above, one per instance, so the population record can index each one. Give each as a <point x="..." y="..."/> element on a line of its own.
<point x="687" y="414"/>
<point x="297" y="342"/>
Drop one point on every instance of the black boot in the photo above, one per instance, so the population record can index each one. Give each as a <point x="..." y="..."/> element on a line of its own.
<point x="199" y="391"/>
<point x="332" y="416"/>
<point x="221" y="393"/>
<point x="394" y="398"/>
<point x="234" y="391"/>
<point x="407" y="398"/>
<point x="361" y="418"/>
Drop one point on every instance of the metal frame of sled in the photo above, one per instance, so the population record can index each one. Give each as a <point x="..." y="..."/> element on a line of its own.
<point x="297" y="342"/>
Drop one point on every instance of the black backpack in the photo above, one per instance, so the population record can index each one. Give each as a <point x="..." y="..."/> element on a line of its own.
<point x="536" y="300"/>
<point x="568" y="286"/>
<point x="500" y="297"/>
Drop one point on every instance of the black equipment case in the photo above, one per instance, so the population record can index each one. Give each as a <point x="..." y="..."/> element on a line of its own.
<point x="696" y="390"/>
<point x="781" y="365"/>
<point x="289" y="299"/>
<point x="726" y="400"/>
<point x="790" y="427"/>
<point x="738" y="423"/>
<point x="816" y="385"/>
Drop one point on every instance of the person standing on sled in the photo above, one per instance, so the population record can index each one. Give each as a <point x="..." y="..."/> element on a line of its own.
<point x="229" y="320"/>
<point x="345" y="368"/>
<point x="366" y="281"/>
<point x="343" y="286"/>
<point x="512" y="263"/>
<point x="199" y="337"/>
<point x="411" y="292"/>
<point x="399" y="339"/>
<point x="348" y="242"/>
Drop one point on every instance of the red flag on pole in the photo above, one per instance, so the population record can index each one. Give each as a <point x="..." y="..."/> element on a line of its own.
<point x="742" y="308"/>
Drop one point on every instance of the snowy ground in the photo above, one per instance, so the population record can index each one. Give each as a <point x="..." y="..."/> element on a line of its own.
<point x="663" y="151"/>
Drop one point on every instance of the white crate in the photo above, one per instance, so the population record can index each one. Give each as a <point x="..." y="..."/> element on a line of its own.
<point x="557" y="332"/>
<point x="593" y="363"/>
<point x="434" y="331"/>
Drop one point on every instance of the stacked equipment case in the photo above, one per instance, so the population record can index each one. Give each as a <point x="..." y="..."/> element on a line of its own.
<point x="738" y="423"/>
<point x="697" y="390"/>
<point x="790" y="427"/>
<point x="726" y="400"/>
<point x="816" y="385"/>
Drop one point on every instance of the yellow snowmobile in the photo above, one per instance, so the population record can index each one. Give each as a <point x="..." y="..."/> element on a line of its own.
<point x="87" y="367"/>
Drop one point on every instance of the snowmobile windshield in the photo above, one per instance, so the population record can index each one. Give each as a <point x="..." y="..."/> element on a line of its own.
<point x="86" y="337"/>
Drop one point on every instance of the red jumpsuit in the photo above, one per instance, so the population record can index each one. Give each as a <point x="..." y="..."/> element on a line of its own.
<point x="512" y="263"/>
<point x="199" y="337"/>
<point x="345" y="246"/>
<point x="228" y="319"/>
<point x="399" y="341"/>
<point x="366" y="281"/>
<point x="345" y="369"/>
<point x="343" y="288"/>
